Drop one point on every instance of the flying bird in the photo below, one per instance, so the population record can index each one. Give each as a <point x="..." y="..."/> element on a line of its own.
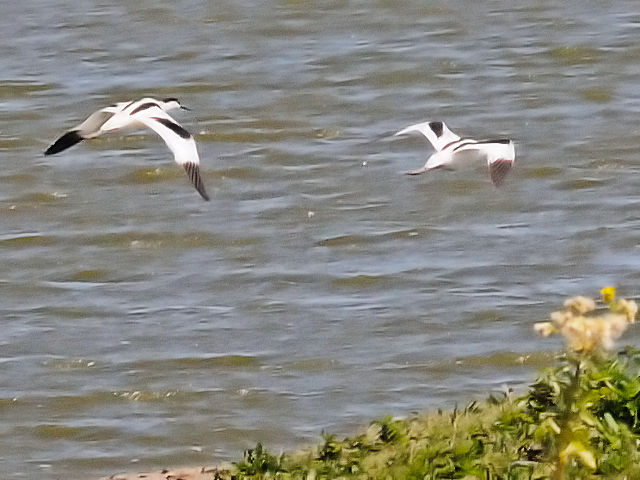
<point x="451" y="151"/>
<point x="147" y="112"/>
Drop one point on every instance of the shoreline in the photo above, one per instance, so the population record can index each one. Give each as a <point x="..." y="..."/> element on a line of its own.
<point x="186" y="473"/>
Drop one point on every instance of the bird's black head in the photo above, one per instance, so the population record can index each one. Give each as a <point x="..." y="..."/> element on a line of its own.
<point x="172" y="102"/>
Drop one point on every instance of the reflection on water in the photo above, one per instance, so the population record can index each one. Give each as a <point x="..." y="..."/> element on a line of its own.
<point x="321" y="287"/>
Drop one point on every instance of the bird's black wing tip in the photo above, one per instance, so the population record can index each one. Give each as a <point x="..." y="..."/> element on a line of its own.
<point x="498" y="171"/>
<point x="193" y="171"/>
<point x="67" y="140"/>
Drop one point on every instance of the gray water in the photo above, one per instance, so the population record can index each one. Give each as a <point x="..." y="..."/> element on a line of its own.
<point x="320" y="288"/>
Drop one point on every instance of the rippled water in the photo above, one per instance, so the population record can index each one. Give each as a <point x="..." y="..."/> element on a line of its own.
<point x="321" y="287"/>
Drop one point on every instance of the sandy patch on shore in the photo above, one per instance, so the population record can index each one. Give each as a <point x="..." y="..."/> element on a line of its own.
<point x="198" y="473"/>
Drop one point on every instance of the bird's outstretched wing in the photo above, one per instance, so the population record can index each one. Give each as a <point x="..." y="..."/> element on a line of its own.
<point x="436" y="132"/>
<point x="179" y="141"/>
<point x="500" y="155"/>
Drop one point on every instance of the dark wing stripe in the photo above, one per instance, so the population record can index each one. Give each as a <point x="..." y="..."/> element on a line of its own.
<point x="505" y="141"/>
<point x="144" y="106"/>
<point x="173" y="126"/>
<point x="464" y="143"/>
<point x="67" y="140"/>
<point x="450" y="144"/>
<point x="193" y="172"/>
<point x="498" y="170"/>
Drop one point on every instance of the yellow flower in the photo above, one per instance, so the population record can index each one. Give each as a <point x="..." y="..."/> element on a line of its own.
<point x="586" y="332"/>
<point x="608" y="294"/>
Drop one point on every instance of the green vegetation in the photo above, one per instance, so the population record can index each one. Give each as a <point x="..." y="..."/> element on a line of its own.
<point x="579" y="420"/>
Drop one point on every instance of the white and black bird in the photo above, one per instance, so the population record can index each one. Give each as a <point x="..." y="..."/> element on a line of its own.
<point x="452" y="151"/>
<point x="147" y="112"/>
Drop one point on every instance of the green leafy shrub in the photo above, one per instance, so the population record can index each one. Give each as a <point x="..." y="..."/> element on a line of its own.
<point x="579" y="420"/>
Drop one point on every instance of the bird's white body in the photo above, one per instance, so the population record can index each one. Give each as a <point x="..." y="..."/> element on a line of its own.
<point x="453" y="151"/>
<point x="147" y="112"/>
